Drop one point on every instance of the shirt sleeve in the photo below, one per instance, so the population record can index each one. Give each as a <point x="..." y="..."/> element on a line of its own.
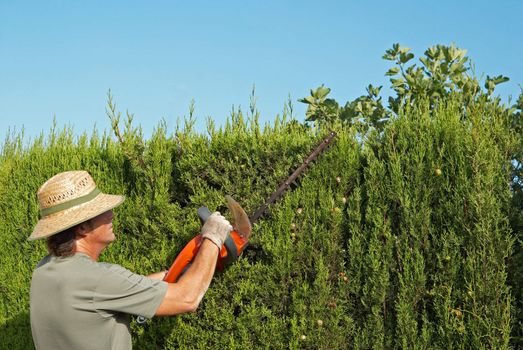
<point x="120" y="290"/>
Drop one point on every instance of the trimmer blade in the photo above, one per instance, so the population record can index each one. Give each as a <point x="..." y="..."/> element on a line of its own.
<point x="241" y="224"/>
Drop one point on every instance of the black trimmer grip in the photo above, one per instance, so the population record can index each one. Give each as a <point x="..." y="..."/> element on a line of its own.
<point x="204" y="213"/>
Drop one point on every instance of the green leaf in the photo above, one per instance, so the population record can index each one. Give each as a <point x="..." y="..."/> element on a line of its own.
<point x="391" y="54"/>
<point x="321" y="92"/>
<point x="431" y="52"/>
<point x="501" y="79"/>
<point x="392" y="71"/>
<point x="308" y="100"/>
<point x="405" y="57"/>
<point x="373" y="91"/>
<point x="403" y="50"/>
<point x="490" y="83"/>
<point x="331" y="103"/>
<point x="397" y="82"/>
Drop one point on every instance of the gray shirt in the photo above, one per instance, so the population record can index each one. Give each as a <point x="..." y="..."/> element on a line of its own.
<point x="77" y="303"/>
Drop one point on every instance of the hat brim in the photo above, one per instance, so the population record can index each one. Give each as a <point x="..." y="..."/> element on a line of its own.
<point x="58" y="222"/>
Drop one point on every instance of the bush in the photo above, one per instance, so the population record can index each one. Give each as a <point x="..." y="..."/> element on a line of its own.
<point x="397" y="241"/>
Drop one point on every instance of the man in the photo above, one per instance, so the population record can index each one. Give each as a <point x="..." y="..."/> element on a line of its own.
<point x="77" y="302"/>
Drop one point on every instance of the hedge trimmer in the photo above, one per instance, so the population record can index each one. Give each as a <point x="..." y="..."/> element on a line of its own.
<point x="238" y="240"/>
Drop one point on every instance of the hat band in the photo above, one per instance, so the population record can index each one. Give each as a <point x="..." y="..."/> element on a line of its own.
<point x="69" y="204"/>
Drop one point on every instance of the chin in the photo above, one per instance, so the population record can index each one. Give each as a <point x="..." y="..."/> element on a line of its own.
<point x="111" y="238"/>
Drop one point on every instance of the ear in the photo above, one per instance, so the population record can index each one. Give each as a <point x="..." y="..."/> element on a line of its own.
<point x="82" y="229"/>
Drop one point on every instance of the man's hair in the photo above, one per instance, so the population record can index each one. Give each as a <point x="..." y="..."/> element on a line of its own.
<point x="63" y="244"/>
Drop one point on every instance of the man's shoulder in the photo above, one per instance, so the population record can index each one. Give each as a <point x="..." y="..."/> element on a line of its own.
<point x="77" y="262"/>
<point x="101" y="267"/>
<point x="82" y="266"/>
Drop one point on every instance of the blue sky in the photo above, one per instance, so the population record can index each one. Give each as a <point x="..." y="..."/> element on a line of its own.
<point x="58" y="59"/>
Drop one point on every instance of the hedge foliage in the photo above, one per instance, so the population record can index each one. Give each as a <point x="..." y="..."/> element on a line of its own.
<point x="399" y="240"/>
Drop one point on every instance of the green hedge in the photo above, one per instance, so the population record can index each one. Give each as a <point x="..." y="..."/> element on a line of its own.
<point x="397" y="239"/>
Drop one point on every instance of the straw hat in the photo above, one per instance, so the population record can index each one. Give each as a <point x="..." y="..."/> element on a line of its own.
<point x="68" y="199"/>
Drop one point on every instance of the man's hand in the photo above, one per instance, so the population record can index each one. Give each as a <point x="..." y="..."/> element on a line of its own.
<point x="216" y="229"/>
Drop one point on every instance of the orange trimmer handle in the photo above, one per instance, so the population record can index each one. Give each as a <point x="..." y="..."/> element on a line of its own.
<point x="183" y="260"/>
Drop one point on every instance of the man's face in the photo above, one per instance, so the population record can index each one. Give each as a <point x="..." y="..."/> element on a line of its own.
<point x="102" y="228"/>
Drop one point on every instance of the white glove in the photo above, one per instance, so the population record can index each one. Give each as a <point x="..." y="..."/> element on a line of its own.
<point x="216" y="229"/>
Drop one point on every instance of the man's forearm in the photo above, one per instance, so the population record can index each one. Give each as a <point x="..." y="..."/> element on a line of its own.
<point x="186" y="294"/>
<point x="200" y="273"/>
